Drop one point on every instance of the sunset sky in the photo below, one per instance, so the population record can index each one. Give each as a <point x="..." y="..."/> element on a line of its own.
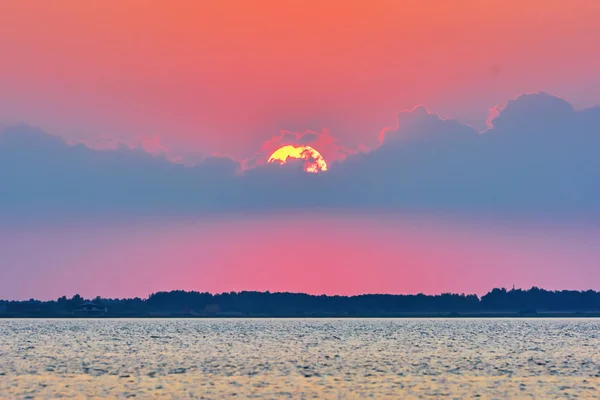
<point x="468" y="123"/>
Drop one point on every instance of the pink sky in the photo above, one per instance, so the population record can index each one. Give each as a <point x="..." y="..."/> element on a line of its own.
<point x="345" y="254"/>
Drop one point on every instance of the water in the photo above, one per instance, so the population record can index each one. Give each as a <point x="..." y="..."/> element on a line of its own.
<point x="300" y="358"/>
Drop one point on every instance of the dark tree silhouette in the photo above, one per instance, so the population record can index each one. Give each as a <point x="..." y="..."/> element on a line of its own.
<point x="178" y="302"/>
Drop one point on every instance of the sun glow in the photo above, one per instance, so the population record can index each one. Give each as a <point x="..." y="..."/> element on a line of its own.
<point x="315" y="162"/>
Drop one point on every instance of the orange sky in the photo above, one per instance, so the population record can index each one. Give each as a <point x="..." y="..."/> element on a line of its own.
<point x="224" y="76"/>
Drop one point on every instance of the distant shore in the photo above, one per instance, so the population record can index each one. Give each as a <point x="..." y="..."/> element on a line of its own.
<point x="319" y="316"/>
<point x="508" y="314"/>
<point x="498" y="303"/>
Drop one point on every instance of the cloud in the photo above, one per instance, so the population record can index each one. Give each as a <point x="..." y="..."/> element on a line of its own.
<point x="537" y="156"/>
<point x="540" y="155"/>
<point x="42" y="173"/>
<point x="152" y="145"/>
<point x="493" y="113"/>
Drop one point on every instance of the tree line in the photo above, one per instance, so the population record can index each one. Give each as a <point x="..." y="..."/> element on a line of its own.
<point x="248" y="303"/>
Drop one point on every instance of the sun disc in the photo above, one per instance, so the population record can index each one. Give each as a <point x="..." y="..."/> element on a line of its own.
<point x="314" y="161"/>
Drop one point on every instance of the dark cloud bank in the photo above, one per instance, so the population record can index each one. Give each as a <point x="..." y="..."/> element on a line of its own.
<point x="540" y="155"/>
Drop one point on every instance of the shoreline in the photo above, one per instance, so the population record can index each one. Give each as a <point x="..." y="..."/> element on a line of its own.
<point x="499" y="315"/>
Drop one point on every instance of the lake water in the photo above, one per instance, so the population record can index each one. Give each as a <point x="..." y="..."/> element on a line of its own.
<point x="300" y="358"/>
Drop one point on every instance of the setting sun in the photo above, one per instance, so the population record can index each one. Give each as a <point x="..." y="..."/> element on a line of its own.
<point x="315" y="162"/>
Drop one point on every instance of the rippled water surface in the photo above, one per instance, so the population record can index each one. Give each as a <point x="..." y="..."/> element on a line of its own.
<point x="287" y="358"/>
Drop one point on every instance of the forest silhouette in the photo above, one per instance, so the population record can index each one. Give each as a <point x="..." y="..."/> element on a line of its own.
<point x="497" y="302"/>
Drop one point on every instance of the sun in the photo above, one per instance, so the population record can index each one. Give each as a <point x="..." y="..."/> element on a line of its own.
<point x="315" y="162"/>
